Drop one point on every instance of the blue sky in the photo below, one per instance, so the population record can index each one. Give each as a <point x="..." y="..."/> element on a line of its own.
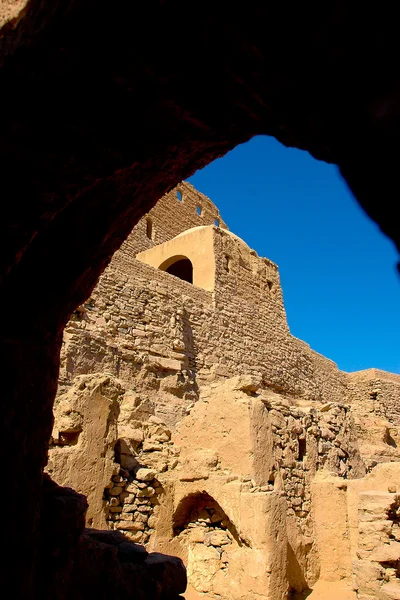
<point x="340" y="285"/>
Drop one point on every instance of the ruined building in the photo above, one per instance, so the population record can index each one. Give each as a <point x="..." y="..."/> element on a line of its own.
<point x="197" y="425"/>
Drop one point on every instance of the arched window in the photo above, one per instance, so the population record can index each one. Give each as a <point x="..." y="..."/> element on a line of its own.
<point x="179" y="266"/>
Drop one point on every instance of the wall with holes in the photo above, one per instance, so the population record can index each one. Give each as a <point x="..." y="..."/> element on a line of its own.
<point x="138" y="312"/>
<point x="195" y="245"/>
<point x="181" y="209"/>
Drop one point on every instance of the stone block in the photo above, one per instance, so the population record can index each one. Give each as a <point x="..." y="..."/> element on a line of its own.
<point x="143" y="474"/>
<point x="390" y="591"/>
<point x="386" y="553"/>
<point x="165" y="364"/>
<point x="130" y="525"/>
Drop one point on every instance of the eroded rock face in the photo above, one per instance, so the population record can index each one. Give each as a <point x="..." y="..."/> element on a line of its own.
<point x="81" y="451"/>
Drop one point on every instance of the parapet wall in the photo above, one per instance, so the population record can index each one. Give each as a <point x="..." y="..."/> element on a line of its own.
<point x="170" y="217"/>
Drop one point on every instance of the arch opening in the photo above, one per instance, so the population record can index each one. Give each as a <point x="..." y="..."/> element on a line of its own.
<point x="210" y="544"/>
<point x="179" y="266"/>
<point x="202" y="509"/>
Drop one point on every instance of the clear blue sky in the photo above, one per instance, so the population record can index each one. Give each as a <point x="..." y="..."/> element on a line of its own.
<point x="340" y="285"/>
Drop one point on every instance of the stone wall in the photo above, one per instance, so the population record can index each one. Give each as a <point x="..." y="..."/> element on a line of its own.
<point x="137" y="312"/>
<point x="240" y="449"/>
<point x="377" y="566"/>
<point x="216" y="399"/>
<point x="378" y="391"/>
<point x="174" y="213"/>
<point x="374" y="397"/>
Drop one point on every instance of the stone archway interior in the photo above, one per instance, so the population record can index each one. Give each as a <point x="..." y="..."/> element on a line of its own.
<point x="210" y="540"/>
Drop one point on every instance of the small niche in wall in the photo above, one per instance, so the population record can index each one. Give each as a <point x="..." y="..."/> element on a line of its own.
<point x="198" y="210"/>
<point x="270" y="284"/>
<point x="68" y="438"/>
<point x="149" y="229"/>
<point x="388" y="439"/>
<point x="179" y="195"/>
<point x="227" y="263"/>
<point x="302" y="448"/>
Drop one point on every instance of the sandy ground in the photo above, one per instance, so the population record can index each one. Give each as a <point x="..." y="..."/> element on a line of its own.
<point x="191" y="594"/>
<point x="323" y="590"/>
<point x="332" y="590"/>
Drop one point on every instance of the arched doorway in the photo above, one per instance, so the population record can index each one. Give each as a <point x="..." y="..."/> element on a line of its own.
<point x="179" y="266"/>
<point x="210" y="542"/>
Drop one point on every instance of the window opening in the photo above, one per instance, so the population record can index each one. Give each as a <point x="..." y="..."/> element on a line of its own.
<point x="302" y="448"/>
<point x="180" y="267"/>
<point x="149" y="229"/>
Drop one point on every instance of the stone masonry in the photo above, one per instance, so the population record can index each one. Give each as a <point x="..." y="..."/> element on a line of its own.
<point x="197" y="425"/>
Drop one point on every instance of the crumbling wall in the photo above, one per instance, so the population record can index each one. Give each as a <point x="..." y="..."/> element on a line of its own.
<point x="137" y="313"/>
<point x="374" y="396"/>
<point x="376" y="391"/>
<point x="377" y="565"/>
<point x="175" y="348"/>
<point x="81" y="449"/>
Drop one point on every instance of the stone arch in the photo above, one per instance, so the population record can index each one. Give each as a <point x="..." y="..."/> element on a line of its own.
<point x="180" y="266"/>
<point x="210" y="546"/>
<point x="193" y="249"/>
<point x="204" y="509"/>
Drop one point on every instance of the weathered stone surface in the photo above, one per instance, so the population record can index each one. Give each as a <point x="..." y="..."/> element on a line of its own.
<point x="145" y="474"/>
<point x="200" y="454"/>
<point x="81" y="452"/>
<point x="391" y="591"/>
